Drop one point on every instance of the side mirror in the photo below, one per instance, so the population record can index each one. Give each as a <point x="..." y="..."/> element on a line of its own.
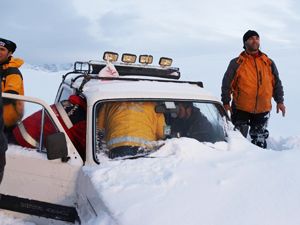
<point x="56" y="146"/>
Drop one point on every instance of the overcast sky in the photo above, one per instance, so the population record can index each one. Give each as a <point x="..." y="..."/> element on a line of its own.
<point x="50" y="31"/>
<point x="201" y="36"/>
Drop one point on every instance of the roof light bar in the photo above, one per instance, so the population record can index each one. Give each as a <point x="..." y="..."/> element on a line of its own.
<point x="164" y="61"/>
<point x="82" y="67"/>
<point x="128" y="58"/>
<point x="145" y="59"/>
<point x="110" y="56"/>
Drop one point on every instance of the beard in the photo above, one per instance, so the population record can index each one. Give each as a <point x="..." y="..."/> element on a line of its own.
<point x="252" y="47"/>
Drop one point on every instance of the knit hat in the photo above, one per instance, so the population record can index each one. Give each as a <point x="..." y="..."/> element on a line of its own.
<point x="249" y="34"/>
<point x="9" y="45"/>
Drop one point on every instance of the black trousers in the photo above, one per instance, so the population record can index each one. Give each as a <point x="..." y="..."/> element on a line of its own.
<point x="2" y="165"/>
<point x="257" y="122"/>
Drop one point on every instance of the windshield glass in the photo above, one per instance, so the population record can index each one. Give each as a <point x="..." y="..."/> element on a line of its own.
<point x="126" y="127"/>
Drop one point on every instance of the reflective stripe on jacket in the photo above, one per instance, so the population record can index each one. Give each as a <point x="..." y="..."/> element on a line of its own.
<point x="252" y="81"/>
<point x="130" y="123"/>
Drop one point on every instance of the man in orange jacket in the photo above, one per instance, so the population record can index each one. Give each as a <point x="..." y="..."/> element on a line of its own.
<point x="6" y="49"/>
<point x="252" y="79"/>
<point x="11" y="82"/>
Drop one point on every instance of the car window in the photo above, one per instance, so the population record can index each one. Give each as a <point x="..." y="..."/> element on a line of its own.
<point x="27" y="124"/>
<point x="137" y="122"/>
<point x="65" y="94"/>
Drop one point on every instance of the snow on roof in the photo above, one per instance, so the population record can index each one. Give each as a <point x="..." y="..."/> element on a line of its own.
<point x="103" y="89"/>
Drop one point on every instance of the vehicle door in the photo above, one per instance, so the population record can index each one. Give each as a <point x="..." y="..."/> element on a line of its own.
<point x="41" y="180"/>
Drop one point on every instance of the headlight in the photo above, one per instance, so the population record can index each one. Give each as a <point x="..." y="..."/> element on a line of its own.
<point x="164" y="61"/>
<point x="145" y="59"/>
<point x="110" y="56"/>
<point x="128" y="58"/>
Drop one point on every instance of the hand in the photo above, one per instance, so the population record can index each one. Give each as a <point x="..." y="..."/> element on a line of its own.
<point x="281" y="107"/>
<point x="227" y="108"/>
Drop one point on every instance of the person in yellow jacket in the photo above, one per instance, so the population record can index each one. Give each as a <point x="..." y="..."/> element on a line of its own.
<point x="11" y="82"/>
<point x="130" y="126"/>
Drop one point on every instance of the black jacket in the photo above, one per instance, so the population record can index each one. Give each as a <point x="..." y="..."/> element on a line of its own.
<point x="3" y="141"/>
<point x="196" y="126"/>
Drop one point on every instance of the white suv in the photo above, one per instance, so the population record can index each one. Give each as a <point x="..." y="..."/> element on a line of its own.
<point x="50" y="183"/>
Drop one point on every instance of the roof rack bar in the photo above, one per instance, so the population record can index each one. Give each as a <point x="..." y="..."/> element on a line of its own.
<point x="69" y="73"/>
<point x="128" y="70"/>
<point x="87" y="78"/>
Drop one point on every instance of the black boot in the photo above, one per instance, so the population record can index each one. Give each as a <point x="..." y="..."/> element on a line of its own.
<point x="259" y="135"/>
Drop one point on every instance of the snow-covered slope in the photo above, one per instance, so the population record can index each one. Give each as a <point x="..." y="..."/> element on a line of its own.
<point x="41" y="83"/>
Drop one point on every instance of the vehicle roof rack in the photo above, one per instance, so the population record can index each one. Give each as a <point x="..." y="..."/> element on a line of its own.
<point x="87" y="78"/>
<point x="94" y="67"/>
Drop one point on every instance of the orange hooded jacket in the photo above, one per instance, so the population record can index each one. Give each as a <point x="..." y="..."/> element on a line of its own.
<point x="252" y="81"/>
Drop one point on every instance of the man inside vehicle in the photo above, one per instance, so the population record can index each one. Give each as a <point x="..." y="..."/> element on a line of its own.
<point x="130" y="127"/>
<point x="190" y="122"/>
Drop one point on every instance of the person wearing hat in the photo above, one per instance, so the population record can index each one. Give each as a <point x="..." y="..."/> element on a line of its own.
<point x="249" y="83"/>
<point x="12" y="82"/>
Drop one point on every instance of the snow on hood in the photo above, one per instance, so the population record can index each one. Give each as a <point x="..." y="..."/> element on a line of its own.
<point x="188" y="182"/>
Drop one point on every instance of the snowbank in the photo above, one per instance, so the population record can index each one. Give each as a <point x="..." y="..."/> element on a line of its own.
<point x="188" y="182"/>
<point x="9" y="220"/>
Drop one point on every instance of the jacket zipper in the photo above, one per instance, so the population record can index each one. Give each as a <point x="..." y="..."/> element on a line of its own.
<point x="260" y="78"/>
<point x="257" y="76"/>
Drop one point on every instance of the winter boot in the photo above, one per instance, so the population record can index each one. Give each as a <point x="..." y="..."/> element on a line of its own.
<point x="259" y="135"/>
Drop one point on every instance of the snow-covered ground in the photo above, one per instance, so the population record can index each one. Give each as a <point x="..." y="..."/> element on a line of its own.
<point x="9" y="220"/>
<point x="188" y="182"/>
<point x="191" y="183"/>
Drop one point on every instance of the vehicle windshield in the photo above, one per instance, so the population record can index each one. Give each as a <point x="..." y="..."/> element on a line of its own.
<point x="142" y="123"/>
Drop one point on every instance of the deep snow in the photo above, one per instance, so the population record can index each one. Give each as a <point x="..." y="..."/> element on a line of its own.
<point x="189" y="182"/>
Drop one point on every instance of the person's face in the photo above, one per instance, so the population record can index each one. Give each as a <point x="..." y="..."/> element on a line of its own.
<point x="183" y="113"/>
<point x="252" y="44"/>
<point x="4" y="54"/>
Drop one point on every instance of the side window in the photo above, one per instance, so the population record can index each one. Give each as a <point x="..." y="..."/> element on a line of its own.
<point x="27" y="124"/>
<point x="64" y="94"/>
